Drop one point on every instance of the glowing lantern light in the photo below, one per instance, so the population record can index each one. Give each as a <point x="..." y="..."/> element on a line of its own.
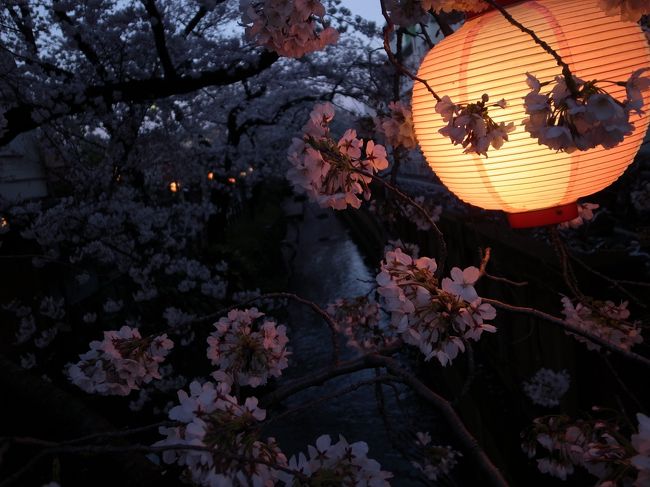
<point x="232" y="180"/>
<point x="535" y="185"/>
<point x="210" y="176"/>
<point x="173" y="186"/>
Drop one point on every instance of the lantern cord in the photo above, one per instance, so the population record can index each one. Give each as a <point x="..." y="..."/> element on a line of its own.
<point x="566" y="71"/>
<point x="388" y="30"/>
<point x="442" y="246"/>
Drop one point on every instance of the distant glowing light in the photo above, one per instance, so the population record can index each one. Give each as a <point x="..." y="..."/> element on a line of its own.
<point x="174" y="186"/>
<point x="232" y="180"/>
<point x="210" y="175"/>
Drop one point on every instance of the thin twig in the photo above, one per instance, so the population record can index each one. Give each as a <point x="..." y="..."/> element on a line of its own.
<point x="485" y="258"/>
<point x="442" y="246"/>
<point x="566" y="70"/>
<point x="634" y="357"/>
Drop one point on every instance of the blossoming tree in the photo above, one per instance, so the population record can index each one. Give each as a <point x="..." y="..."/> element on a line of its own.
<point x="158" y="120"/>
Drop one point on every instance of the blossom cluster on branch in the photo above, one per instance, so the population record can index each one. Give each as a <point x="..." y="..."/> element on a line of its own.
<point x="471" y="126"/>
<point x="630" y="10"/>
<point x="333" y="173"/>
<point x="289" y="28"/>
<point x="435" y="317"/>
<point x="597" y="445"/>
<point x="579" y="115"/>
<point x="120" y="363"/>
<point x="605" y="320"/>
<point x="248" y="348"/>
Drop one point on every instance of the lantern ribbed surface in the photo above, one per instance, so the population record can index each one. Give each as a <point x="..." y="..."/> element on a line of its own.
<point x="489" y="55"/>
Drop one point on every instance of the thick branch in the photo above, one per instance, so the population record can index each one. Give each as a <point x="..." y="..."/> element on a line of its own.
<point x="20" y="118"/>
<point x="158" y="29"/>
<point x="84" y="46"/>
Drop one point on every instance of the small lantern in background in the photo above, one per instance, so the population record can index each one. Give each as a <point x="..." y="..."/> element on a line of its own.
<point x="534" y="184"/>
<point x="173" y="186"/>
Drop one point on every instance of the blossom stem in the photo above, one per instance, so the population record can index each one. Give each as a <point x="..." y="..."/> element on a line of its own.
<point x="442" y="246"/>
<point x="634" y="357"/>
<point x="566" y="70"/>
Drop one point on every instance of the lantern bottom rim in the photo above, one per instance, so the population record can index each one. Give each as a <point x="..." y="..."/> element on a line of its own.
<point x="543" y="217"/>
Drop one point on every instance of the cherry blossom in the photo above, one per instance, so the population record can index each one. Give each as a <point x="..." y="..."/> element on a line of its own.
<point x="630" y="10"/>
<point x="547" y="387"/>
<point x="585" y="214"/>
<point x="288" y="28"/>
<point x="120" y="363"/>
<point x="329" y="171"/>
<point x="248" y="347"/>
<point x="210" y="417"/>
<point x="583" y="117"/>
<point x="471" y="126"/>
<point x="398" y="127"/>
<point x="605" y="320"/>
<point x="460" y="5"/>
<point x="339" y="463"/>
<point x="434" y="319"/>
<point x="462" y="283"/>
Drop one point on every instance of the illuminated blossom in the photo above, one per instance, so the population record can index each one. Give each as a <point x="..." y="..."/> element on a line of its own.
<point x="120" y="363"/>
<point x="289" y="28"/>
<point x="435" y="319"/>
<point x="329" y="171"/>
<point x="630" y="10"/>
<point x="248" y="347"/>
<point x="471" y="126"/>
<point x="584" y="118"/>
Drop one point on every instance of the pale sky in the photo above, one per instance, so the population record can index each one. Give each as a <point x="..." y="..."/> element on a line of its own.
<point x="368" y="9"/>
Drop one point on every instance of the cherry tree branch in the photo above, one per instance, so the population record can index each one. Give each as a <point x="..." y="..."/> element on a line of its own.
<point x="22" y="118"/>
<point x="485" y="258"/>
<point x="634" y="357"/>
<point x="158" y="29"/>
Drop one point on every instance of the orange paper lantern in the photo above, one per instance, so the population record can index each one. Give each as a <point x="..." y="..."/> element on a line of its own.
<point x="535" y="185"/>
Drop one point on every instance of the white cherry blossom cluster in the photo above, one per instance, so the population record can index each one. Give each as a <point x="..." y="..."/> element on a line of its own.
<point x="435" y="318"/>
<point x="547" y="387"/>
<point x="471" y="126"/>
<point x="248" y="347"/>
<point x="359" y="320"/>
<point x="210" y="417"/>
<point x="605" y="320"/>
<point x="339" y="463"/>
<point x="120" y="363"/>
<point x="397" y="128"/>
<point x="436" y="460"/>
<point x="416" y="217"/>
<point x="327" y="170"/>
<point x="584" y="117"/>
<point x="410" y="12"/>
<point x="291" y="28"/>
<point x="630" y="10"/>
<point x="585" y="214"/>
